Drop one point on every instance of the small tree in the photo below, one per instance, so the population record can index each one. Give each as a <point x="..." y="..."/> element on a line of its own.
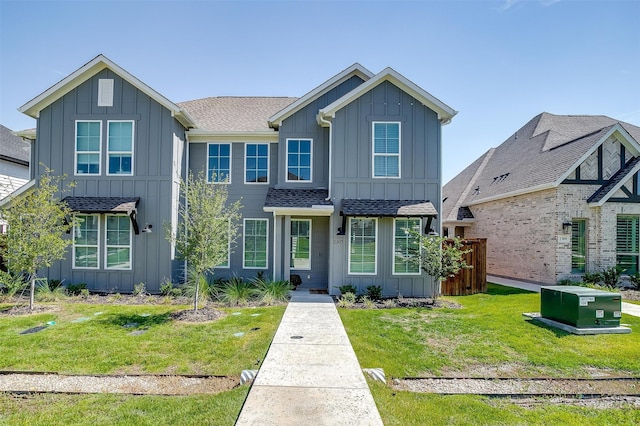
<point x="36" y="223"/>
<point x="438" y="256"/>
<point x="207" y="226"/>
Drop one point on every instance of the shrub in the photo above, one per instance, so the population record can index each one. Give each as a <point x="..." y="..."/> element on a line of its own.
<point x="347" y="300"/>
<point x="236" y="292"/>
<point x="634" y="280"/>
<point x="367" y="303"/>
<point x="167" y="289"/>
<point x="10" y="284"/>
<point x="374" y="292"/>
<point x="348" y="288"/>
<point x="270" y="292"/>
<point x="76" y="289"/>
<point x="390" y="303"/>
<point x="611" y="276"/>
<point x="45" y="292"/>
<point x="140" y="289"/>
<point x="592" y="277"/>
<point x="206" y="290"/>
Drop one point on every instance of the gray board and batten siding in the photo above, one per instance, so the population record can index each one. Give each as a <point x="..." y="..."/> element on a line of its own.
<point x="352" y="179"/>
<point x="157" y="155"/>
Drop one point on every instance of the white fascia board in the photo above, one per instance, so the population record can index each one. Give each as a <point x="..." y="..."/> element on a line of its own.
<point x="321" y="210"/>
<point x="464" y="222"/>
<point x="631" y="144"/>
<point x="615" y="189"/>
<point x="17" y="193"/>
<point x="354" y="70"/>
<point x="29" y="134"/>
<point x="523" y="191"/>
<point x="82" y="74"/>
<point x="198" y="135"/>
<point x="445" y="112"/>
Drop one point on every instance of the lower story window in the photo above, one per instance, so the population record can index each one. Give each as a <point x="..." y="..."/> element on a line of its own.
<point x="578" y="246"/>
<point x="627" y="243"/>
<point x="405" y="246"/>
<point x="363" y="245"/>
<point x="118" y="242"/>
<point x="255" y="243"/>
<point x="301" y="244"/>
<point x="86" y="241"/>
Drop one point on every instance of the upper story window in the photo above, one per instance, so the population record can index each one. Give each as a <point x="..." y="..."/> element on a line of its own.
<point x="219" y="163"/>
<point x="386" y="149"/>
<point x="120" y="147"/>
<point x="299" y="156"/>
<point x="256" y="168"/>
<point x="88" y="141"/>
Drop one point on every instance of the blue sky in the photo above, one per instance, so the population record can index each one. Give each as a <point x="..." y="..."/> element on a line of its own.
<point x="499" y="63"/>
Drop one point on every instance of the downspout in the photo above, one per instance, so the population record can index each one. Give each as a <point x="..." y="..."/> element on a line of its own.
<point x="328" y="122"/>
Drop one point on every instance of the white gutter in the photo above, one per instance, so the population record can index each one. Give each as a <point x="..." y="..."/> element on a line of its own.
<point x="328" y="122"/>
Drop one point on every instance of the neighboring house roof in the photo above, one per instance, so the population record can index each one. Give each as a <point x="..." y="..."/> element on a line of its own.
<point x="97" y="64"/>
<point x="354" y="70"/>
<point x="234" y="114"/>
<point x="13" y="148"/>
<point x="538" y="156"/>
<point x="388" y="208"/>
<point x="445" y="112"/>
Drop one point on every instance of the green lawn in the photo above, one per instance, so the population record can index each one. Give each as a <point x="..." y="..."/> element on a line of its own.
<point x="487" y="334"/>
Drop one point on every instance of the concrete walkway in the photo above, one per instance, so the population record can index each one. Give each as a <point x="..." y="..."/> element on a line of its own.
<point x="627" y="308"/>
<point x="311" y="374"/>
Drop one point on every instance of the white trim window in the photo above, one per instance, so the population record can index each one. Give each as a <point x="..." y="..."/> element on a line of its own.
<point x="256" y="163"/>
<point x="301" y="244"/>
<point x="405" y="245"/>
<point x="363" y="246"/>
<point x="118" y="242"/>
<point x="86" y="241"/>
<point x="255" y="248"/>
<point x="87" y="146"/>
<point x="219" y="163"/>
<point x="386" y="149"/>
<point x="120" y="147"/>
<point x="299" y="160"/>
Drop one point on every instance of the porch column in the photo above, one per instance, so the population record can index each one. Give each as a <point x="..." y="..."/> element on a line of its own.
<point x="277" y="247"/>
<point x="286" y="253"/>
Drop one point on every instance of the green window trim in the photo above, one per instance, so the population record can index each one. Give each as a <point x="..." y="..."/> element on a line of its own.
<point x="363" y="246"/>
<point x="578" y="246"/>
<point x="628" y="243"/>
<point x="301" y="244"/>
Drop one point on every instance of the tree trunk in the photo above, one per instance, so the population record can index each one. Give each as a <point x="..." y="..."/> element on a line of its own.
<point x="195" y="299"/>
<point x="32" y="292"/>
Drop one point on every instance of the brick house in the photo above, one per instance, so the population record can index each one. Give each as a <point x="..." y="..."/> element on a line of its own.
<point x="558" y="198"/>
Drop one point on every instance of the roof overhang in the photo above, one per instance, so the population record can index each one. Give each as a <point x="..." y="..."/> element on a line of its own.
<point x="463" y="222"/>
<point x="445" y="112"/>
<point x="106" y="205"/>
<point x="388" y="208"/>
<point x="199" y="135"/>
<point x="17" y="193"/>
<point x="320" y="210"/>
<point x="275" y="121"/>
<point x="28" y="134"/>
<point x="97" y="64"/>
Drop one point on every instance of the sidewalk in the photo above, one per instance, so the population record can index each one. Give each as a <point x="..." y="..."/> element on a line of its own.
<point x="627" y="308"/>
<point x="311" y="374"/>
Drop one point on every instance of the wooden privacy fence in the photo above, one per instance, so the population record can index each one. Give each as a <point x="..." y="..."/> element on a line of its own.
<point x="472" y="280"/>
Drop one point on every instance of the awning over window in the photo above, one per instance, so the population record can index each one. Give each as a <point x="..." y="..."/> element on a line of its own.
<point x="388" y="208"/>
<point x="113" y="205"/>
<point x="303" y="202"/>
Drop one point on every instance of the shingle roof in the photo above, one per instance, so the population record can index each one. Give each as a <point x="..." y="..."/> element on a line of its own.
<point x="408" y="208"/>
<point x="620" y="176"/>
<point x="235" y="114"/>
<point x="102" y="204"/>
<point x="464" y="213"/>
<point x="297" y="198"/>
<point x="537" y="155"/>
<point x="13" y="148"/>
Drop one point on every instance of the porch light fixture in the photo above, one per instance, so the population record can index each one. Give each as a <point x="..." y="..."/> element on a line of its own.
<point x="147" y="228"/>
<point x="566" y="227"/>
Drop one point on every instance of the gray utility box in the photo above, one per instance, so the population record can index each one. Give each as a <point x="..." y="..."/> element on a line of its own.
<point x="581" y="306"/>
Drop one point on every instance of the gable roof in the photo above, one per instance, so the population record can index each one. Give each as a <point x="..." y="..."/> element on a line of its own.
<point x="617" y="180"/>
<point x="445" y="112"/>
<point x="538" y="156"/>
<point x="13" y="148"/>
<point x="354" y="70"/>
<point x="91" y="68"/>
<point x="234" y="114"/>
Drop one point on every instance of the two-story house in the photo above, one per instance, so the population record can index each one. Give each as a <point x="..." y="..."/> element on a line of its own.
<point x="329" y="182"/>
<point x="558" y="198"/>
